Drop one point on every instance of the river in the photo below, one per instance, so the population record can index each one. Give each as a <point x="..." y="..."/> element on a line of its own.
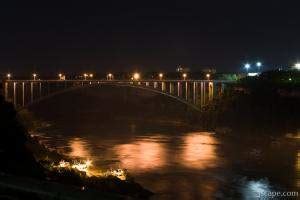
<point x="175" y="161"/>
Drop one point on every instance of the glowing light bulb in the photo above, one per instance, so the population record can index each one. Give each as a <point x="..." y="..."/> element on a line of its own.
<point x="136" y="76"/>
<point x="160" y="75"/>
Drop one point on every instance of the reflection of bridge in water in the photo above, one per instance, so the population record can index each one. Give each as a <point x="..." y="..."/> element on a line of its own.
<point x="195" y="93"/>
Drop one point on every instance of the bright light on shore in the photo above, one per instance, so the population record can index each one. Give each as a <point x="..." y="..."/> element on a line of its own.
<point x="8" y="76"/>
<point x="253" y="74"/>
<point x="258" y="64"/>
<point x="207" y="76"/>
<point x="86" y="166"/>
<point x="297" y="66"/>
<point x="184" y="75"/>
<point x="247" y="66"/>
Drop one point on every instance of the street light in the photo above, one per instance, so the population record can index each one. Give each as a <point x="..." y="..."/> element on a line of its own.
<point x="184" y="75"/>
<point x="207" y="76"/>
<point x="61" y="76"/>
<point x="136" y="76"/>
<point x="160" y="75"/>
<point x="109" y="76"/>
<point x="8" y="76"/>
<point x="34" y="76"/>
<point x="297" y="66"/>
<point x="91" y="75"/>
<point x="258" y="64"/>
<point x="247" y="66"/>
<point x="85" y="76"/>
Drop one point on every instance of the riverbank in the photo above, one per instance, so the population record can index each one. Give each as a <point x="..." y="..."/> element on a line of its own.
<point x="24" y="157"/>
<point x="255" y="105"/>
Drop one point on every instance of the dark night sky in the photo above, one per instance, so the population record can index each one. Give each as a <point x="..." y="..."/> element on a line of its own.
<point x="147" y="35"/>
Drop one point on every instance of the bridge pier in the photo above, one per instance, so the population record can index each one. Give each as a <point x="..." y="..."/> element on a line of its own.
<point x="31" y="92"/>
<point x="222" y="88"/>
<point x="171" y="88"/>
<point x="178" y="89"/>
<point x="163" y="86"/>
<point x="210" y="91"/>
<point x="202" y="94"/>
<point x="15" y="94"/>
<point x="6" y="91"/>
<point x="23" y="94"/>
<point x="195" y="93"/>
<point x="40" y="89"/>
<point x="186" y="91"/>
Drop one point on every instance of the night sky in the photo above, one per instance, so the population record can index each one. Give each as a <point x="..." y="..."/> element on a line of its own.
<point x="146" y="35"/>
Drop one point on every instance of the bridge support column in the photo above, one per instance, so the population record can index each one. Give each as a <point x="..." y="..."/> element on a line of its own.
<point x="40" y="89"/>
<point x="163" y="86"/>
<point x="202" y="94"/>
<point x="195" y="93"/>
<point x="155" y="85"/>
<point x="210" y="91"/>
<point x="171" y="88"/>
<point x="31" y="92"/>
<point x="48" y="88"/>
<point x="15" y="94"/>
<point x="186" y="91"/>
<point x="23" y="94"/>
<point x="178" y="89"/>
<point x="222" y="89"/>
<point x="6" y="91"/>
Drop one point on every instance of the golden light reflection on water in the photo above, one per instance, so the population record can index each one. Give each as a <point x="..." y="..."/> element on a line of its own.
<point x="79" y="148"/>
<point x="298" y="170"/>
<point x="141" y="155"/>
<point x="194" y="150"/>
<point x="199" y="151"/>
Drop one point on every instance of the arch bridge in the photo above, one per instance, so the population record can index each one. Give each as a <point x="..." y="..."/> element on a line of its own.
<point x="195" y="93"/>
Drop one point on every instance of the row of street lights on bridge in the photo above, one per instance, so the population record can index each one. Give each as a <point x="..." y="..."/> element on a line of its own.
<point x="135" y="76"/>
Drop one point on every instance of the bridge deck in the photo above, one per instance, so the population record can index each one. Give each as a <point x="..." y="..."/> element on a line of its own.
<point x="195" y="93"/>
<point x="121" y="81"/>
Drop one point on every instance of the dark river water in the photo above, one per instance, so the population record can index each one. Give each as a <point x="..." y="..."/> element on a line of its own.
<point x="179" y="162"/>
